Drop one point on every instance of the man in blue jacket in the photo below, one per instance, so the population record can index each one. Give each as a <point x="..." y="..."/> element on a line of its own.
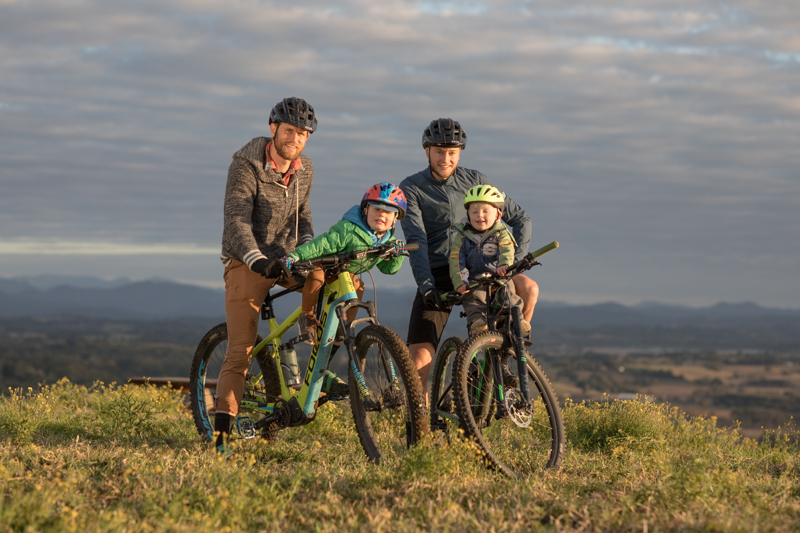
<point x="435" y="198"/>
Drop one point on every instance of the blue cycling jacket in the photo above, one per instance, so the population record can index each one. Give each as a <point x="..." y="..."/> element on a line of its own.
<point x="435" y="206"/>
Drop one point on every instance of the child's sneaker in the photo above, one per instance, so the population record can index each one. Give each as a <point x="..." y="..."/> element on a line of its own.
<point x="478" y="325"/>
<point x="308" y="325"/>
<point x="333" y="386"/>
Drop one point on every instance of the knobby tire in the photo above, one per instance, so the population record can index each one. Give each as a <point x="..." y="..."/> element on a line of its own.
<point x="206" y="367"/>
<point x="513" y="450"/>
<point x="393" y="415"/>
<point x="441" y="397"/>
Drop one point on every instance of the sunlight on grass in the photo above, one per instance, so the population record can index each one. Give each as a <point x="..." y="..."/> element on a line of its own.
<point x="125" y="458"/>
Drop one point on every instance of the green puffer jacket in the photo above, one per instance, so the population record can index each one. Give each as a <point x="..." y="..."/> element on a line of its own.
<point x="350" y="233"/>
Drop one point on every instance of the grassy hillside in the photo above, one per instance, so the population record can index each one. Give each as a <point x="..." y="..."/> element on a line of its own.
<point x="108" y="458"/>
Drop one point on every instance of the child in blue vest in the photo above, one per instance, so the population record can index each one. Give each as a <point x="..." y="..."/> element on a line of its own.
<point x="482" y="244"/>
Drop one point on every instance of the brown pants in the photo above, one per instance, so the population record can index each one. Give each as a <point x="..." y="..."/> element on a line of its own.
<point x="244" y="293"/>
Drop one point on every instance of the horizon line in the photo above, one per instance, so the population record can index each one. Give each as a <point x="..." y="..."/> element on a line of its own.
<point x="220" y="287"/>
<point x="103" y="248"/>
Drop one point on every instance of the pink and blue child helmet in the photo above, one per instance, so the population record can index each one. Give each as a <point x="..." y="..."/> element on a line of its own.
<point x="387" y="196"/>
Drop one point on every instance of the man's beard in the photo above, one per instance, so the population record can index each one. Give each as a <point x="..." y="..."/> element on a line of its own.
<point x="280" y="148"/>
<point x="437" y="174"/>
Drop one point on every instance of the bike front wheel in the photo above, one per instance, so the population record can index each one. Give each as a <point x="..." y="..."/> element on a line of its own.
<point x="442" y="407"/>
<point x="523" y="439"/>
<point x="262" y="384"/>
<point x="385" y="395"/>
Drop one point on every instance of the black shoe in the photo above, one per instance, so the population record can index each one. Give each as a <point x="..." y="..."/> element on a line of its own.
<point x="222" y="429"/>
<point x="333" y="386"/>
<point x="510" y="381"/>
<point x="478" y="326"/>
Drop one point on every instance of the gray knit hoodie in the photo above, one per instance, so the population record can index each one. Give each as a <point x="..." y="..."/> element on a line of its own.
<point x="264" y="217"/>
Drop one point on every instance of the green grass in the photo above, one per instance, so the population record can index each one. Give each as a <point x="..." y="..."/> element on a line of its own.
<point x="126" y="458"/>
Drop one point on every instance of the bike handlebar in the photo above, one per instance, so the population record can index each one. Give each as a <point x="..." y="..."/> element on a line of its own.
<point x="327" y="261"/>
<point x="526" y="263"/>
<point x="529" y="260"/>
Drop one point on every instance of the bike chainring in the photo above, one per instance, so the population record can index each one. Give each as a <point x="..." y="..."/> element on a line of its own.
<point x="281" y="410"/>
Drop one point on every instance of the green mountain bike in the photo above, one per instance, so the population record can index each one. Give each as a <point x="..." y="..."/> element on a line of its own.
<point x="386" y="395"/>
<point x="491" y="388"/>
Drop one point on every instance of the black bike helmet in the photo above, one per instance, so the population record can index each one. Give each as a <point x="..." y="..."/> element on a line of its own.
<point x="444" y="132"/>
<point x="296" y="112"/>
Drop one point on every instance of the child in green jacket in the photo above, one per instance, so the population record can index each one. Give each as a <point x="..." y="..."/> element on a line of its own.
<point x="362" y="227"/>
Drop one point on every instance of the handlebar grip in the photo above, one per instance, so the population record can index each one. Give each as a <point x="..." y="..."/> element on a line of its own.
<point x="543" y="250"/>
<point x="411" y="246"/>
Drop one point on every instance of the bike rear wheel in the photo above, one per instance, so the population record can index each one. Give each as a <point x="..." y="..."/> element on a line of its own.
<point x="441" y="398"/>
<point x="385" y="395"/>
<point x="262" y="384"/>
<point x="522" y="441"/>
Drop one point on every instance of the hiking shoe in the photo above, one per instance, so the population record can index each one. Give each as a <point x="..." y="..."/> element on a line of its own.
<point x="525" y="326"/>
<point x="510" y="381"/>
<point x="308" y="325"/>
<point x="333" y="386"/>
<point x="478" y="325"/>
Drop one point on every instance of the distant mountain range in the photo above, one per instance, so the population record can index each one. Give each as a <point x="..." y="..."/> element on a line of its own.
<point x="120" y="299"/>
<point x="163" y="299"/>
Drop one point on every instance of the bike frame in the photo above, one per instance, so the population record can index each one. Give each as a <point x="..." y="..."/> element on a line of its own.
<point x="339" y="295"/>
<point x="494" y="387"/>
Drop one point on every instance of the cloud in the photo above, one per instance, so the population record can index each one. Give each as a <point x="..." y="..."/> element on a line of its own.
<point x="659" y="136"/>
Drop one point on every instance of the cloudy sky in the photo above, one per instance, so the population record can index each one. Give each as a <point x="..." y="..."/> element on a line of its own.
<point x="658" y="141"/>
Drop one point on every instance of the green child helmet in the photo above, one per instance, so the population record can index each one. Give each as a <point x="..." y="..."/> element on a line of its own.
<point x="485" y="193"/>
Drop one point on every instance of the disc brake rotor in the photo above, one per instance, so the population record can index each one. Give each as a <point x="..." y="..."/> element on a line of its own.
<point x="520" y="415"/>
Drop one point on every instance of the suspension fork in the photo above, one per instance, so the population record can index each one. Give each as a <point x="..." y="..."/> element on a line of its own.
<point x="522" y="361"/>
<point x="345" y="286"/>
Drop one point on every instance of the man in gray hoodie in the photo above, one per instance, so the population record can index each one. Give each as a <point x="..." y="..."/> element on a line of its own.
<point x="435" y="198"/>
<point x="266" y="216"/>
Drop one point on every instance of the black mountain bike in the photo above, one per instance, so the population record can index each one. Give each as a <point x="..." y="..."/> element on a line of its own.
<point x="514" y="418"/>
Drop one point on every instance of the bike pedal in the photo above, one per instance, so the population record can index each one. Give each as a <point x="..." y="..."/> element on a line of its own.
<point x="329" y="398"/>
<point x="245" y="427"/>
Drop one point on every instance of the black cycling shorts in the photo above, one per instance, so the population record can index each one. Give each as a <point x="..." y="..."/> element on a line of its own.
<point x="426" y="324"/>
